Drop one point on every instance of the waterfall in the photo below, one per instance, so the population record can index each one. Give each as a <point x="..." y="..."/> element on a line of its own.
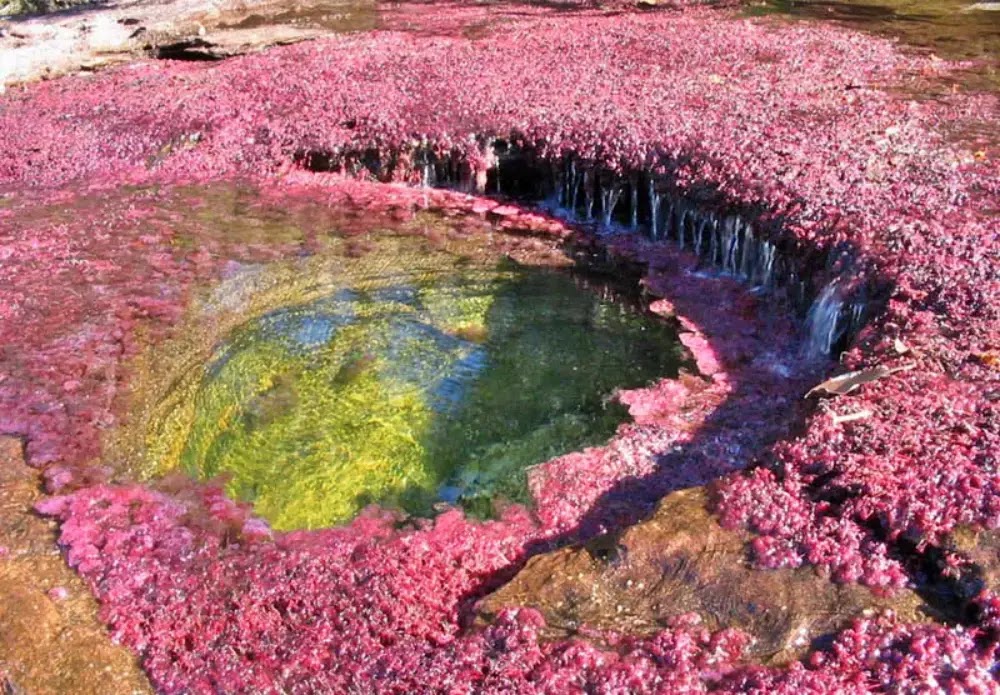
<point x="634" y="202"/>
<point x="588" y="194"/>
<point x="765" y="264"/>
<point x="729" y="244"/>
<point x="558" y="198"/>
<point x="727" y="241"/>
<point x="713" y="244"/>
<point x="749" y="260"/>
<point x="666" y="215"/>
<point x="857" y="314"/>
<point x="574" y="186"/>
<point x="654" y="210"/>
<point x="732" y="245"/>
<point x="824" y="326"/>
<point x="609" y="201"/>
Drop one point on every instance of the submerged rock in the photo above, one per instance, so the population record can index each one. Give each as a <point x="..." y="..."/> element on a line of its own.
<point x="678" y="562"/>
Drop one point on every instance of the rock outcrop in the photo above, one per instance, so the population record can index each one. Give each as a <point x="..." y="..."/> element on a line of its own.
<point x="51" y="640"/>
<point x="678" y="562"/>
<point x="88" y="37"/>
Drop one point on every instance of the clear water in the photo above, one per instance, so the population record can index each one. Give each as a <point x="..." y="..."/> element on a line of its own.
<point x="417" y="377"/>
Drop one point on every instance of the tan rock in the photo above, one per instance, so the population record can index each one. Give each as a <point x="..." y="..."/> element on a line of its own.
<point x="51" y="640"/>
<point x="121" y="30"/>
<point x="681" y="561"/>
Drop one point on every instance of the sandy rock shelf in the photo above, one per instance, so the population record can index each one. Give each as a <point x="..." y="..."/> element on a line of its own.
<point x="89" y="37"/>
<point x="51" y="640"/>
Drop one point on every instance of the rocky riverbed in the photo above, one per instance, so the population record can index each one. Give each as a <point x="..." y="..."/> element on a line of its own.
<point x="778" y="192"/>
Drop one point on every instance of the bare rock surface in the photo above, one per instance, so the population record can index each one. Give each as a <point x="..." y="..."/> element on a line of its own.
<point x="972" y="558"/>
<point x="680" y="562"/>
<point x="91" y="36"/>
<point x="50" y="638"/>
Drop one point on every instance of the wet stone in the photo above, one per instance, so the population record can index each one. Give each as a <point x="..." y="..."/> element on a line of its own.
<point x="51" y="641"/>
<point x="980" y="551"/>
<point x="681" y="561"/>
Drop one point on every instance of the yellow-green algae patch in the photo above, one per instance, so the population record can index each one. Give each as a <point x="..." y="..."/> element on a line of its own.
<point x="388" y="367"/>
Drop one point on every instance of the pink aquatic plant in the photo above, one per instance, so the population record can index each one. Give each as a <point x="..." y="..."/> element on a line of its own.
<point x="786" y="124"/>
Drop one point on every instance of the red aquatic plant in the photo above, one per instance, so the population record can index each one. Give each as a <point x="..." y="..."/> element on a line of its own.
<point x="785" y="123"/>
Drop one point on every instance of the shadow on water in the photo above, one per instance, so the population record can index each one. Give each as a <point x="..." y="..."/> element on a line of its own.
<point x="547" y="384"/>
<point x="554" y="349"/>
<point x="418" y="391"/>
<point x="762" y="407"/>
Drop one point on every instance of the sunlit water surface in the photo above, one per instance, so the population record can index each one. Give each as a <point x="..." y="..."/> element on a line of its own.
<point x="412" y="388"/>
<point x="414" y="365"/>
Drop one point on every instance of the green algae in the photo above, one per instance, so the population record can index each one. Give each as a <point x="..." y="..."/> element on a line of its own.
<point x="410" y="377"/>
<point x="339" y="359"/>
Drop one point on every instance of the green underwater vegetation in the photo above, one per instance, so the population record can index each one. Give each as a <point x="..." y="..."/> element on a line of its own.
<point x="437" y="379"/>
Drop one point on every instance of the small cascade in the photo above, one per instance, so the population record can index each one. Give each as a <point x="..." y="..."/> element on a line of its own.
<point x="699" y="234"/>
<point x="557" y="199"/>
<point x="712" y="250"/>
<point x="685" y="229"/>
<point x="764" y="274"/>
<point x="858" y="310"/>
<point x="824" y="323"/>
<point x="574" y="189"/>
<point x="654" y="211"/>
<point x="588" y="195"/>
<point x="729" y="240"/>
<point x="749" y="257"/>
<point x="609" y="201"/>
<point x="739" y="248"/>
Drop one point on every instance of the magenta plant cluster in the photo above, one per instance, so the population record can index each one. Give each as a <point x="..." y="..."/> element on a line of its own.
<point x="789" y="124"/>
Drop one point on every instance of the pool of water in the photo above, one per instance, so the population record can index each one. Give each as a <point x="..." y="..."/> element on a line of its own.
<point x="350" y="361"/>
